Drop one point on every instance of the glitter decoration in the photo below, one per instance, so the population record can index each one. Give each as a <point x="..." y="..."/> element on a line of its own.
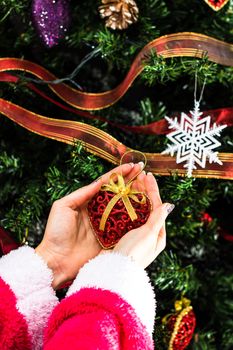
<point x="193" y="139"/>
<point x="118" y="222"/>
<point x="51" y="18"/>
<point x="180" y="325"/>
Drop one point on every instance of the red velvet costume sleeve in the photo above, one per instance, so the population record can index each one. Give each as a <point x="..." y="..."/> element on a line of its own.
<point x="109" y="306"/>
<point x="13" y="326"/>
<point x="94" y="319"/>
<point x="26" y="300"/>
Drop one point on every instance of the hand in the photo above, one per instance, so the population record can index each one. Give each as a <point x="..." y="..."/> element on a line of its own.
<point x="145" y="243"/>
<point x="69" y="241"/>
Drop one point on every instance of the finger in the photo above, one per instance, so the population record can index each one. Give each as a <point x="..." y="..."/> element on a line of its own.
<point x="79" y="197"/>
<point x="123" y="170"/>
<point x="128" y="171"/>
<point x="157" y="217"/>
<point x="84" y="194"/>
<point x="152" y="190"/>
<point x="137" y="169"/>
<point x="139" y="183"/>
<point x="155" y="245"/>
<point x="161" y="241"/>
<point x="152" y="187"/>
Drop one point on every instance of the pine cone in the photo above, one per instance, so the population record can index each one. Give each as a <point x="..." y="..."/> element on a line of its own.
<point x="120" y="13"/>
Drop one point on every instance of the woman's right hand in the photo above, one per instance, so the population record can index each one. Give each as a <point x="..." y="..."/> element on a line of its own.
<point x="145" y="243"/>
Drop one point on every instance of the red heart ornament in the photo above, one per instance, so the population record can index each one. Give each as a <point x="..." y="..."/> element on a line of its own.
<point x="216" y="5"/>
<point x="118" y="222"/>
<point x="181" y="327"/>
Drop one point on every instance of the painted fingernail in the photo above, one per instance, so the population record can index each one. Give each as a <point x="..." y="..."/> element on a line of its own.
<point x="142" y="165"/>
<point x="170" y="207"/>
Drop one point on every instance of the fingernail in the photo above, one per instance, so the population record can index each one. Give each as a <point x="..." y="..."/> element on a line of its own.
<point x="142" y="165"/>
<point x="143" y="172"/>
<point x="170" y="207"/>
<point x="131" y="164"/>
<point x="149" y="173"/>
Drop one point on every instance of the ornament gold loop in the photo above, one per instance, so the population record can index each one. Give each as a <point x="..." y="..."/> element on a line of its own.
<point x="136" y="157"/>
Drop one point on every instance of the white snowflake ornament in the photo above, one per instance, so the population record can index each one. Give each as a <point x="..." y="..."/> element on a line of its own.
<point x="193" y="139"/>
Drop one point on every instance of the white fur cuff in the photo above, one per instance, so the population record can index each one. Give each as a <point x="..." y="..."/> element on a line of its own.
<point x="121" y="275"/>
<point x="30" y="279"/>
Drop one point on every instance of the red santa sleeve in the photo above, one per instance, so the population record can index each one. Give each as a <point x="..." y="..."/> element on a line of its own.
<point x="110" y="306"/>
<point x="26" y="300"/>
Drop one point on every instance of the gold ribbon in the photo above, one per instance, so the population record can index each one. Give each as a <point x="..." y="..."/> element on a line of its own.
<point x="180" y="305"/>
<point x="123" y="191"/>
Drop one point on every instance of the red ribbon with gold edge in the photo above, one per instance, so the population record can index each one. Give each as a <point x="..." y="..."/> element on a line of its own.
<point x="172" y="45"/>
<point x="160" y="127"/>
<point x="105" y="146"/>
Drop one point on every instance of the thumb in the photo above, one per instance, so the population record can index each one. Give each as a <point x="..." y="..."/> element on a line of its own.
<point x="82" y="195"/>
<point x="159" y="215"/>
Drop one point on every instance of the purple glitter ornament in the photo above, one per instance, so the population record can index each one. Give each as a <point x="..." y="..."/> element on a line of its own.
<point x="51" y="18"/>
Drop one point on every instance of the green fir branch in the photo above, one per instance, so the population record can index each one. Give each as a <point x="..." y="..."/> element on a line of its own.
<point x="203" y="341"/>
<point x="170" y="274"/>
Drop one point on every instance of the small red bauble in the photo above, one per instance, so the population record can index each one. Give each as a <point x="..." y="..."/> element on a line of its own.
<point x="118" y="222"/>
<point x="206" y="218"/>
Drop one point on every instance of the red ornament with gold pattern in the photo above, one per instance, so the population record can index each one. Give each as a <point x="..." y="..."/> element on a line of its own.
<point x="180" y="325"/>
<point x="118" y="207"/>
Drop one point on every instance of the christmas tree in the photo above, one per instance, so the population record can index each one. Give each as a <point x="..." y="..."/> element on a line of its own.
<point x="91" y="46"/>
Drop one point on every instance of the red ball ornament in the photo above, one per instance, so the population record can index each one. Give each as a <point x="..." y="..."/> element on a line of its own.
<point x="181" y="325"/>
<point x="117" y="221"/>
<point x="206" y="218"/>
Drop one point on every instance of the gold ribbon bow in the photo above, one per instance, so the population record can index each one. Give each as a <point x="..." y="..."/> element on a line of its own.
<point x="182" y="304"/>
<point x="123" y="191"/>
